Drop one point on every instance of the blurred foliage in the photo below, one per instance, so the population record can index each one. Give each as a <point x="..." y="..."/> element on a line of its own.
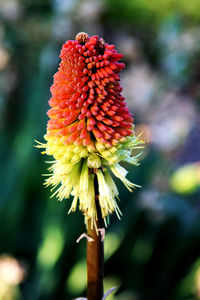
<point x="142" y="11"/>
<point x="153" y="252"/>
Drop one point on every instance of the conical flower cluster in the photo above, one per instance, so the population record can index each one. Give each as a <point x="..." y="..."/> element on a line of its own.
<point x="90" y="128"/>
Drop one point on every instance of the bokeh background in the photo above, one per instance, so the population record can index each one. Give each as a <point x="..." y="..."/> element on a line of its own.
<point x="153" y="252"/>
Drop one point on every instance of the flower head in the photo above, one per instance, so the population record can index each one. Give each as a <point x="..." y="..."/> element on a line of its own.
<point x="90" y="128"/>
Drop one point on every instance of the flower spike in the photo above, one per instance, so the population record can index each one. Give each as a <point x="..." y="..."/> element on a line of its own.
<point x="90" y="130"/>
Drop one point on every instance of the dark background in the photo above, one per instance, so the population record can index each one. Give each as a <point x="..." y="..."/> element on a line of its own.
<point x="153" y="252"/>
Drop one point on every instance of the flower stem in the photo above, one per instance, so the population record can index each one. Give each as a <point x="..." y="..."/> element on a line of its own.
<point x="95" y="258"/>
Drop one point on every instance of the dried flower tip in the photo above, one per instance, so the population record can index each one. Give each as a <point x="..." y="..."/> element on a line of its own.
<point x="101" y="45"/>
<point x="82" y="37"/>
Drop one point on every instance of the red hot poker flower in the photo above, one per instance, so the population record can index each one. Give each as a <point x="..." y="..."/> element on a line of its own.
<point x="90" y="128"/>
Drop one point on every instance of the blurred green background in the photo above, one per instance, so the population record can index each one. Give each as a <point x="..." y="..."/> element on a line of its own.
<point x="153" y="252"/>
